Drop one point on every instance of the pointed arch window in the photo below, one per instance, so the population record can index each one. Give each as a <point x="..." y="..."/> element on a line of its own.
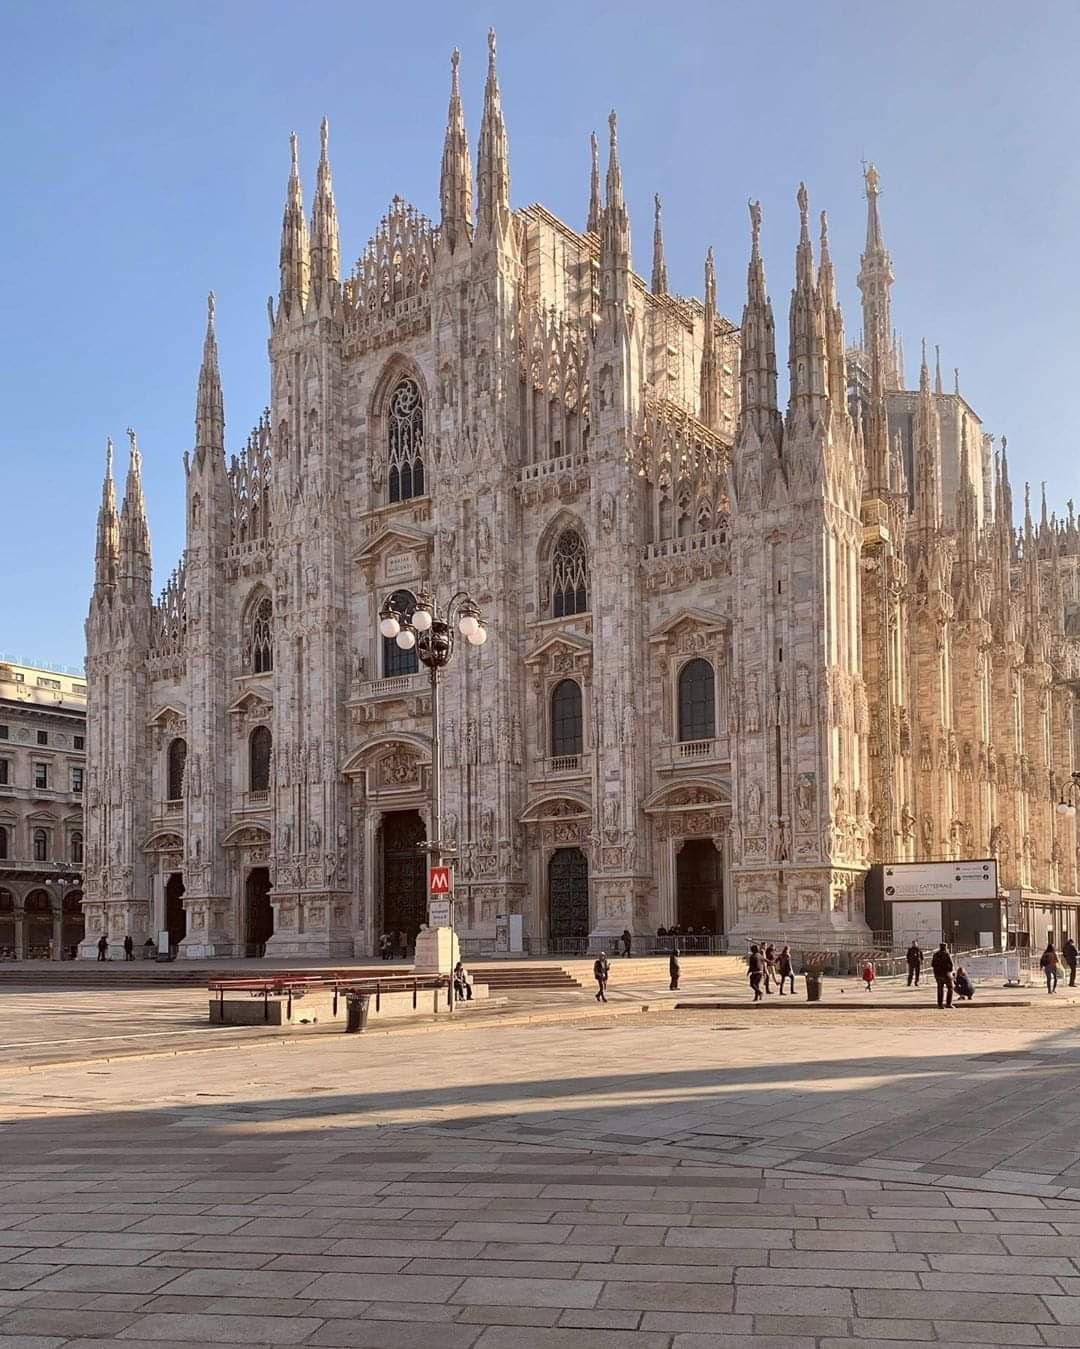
<point x="395" y="661"/>
<point x="259" y="747"/>
<point x="567" y="727"/>
<point x="569" y="575"/>
<point x="262" y="637"/>
<point x="405" y="441"/>
<point x="175" y="763"/>
<point x="697" y="701"/>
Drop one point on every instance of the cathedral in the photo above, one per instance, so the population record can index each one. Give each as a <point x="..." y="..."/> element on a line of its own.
<point x="738" y="652"/>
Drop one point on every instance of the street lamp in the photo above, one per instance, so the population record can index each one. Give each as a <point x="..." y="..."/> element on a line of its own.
<point x="1064" y="806"/>
<point x="63" y="883"/>
<point x="419" y="623"/>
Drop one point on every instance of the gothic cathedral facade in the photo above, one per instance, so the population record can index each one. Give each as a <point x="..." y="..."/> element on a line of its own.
<point x="737" y="653"/>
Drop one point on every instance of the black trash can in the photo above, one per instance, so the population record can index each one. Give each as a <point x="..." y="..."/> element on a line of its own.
<point x="813" y="987"/>
<point x="356" y="1012"/>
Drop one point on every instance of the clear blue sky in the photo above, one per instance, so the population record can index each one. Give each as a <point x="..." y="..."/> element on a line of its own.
<point x="146" y="152"/>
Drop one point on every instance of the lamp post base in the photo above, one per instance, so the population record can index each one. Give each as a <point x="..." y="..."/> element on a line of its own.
<point x="437" y="950"/>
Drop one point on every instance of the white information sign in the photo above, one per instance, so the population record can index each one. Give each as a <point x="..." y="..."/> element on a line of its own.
<point x="439" y="912"/>
<point x="940" y="880"/>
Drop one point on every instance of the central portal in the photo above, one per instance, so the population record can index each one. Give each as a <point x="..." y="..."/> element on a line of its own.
<point x="568" y="902"/>
<point x="258" y="912"/>
<point x="404" y="874"/>
<point x="175" y="914"/>
<point x="699" y="881"/>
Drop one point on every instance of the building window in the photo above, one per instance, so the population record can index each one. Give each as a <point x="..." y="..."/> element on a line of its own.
<point x="80" y="742"/>
<point x="5" y="772"/>
<point x="3" y="731"/>
<point x="78" y="688"/>
<point x="259" y="746"/>
<point x="569" y="576"/>
<point x="405" y="441"/>
<point x="262" y="637"/>
<point x="48" y="683"/>
<point x="176" y="761"/>
<point x="41" y="845"/>
<point x="76" y="849"/>
<point x="43" y="737"/>
<point x="394" y="660"/>
<point x="77" y="778"/>
<point x="567" y="734"/>
<point x="697" y="701"/>
<point x="3" y="843"/>
<point x="41" y="776"/>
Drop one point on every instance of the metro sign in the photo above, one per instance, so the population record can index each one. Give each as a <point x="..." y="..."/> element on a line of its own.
<point x="441" y="881"/>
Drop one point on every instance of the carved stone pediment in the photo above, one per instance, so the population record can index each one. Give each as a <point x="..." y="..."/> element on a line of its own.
<point x="252" y="708"/>
<point x="168" y="721"/>
<point x="561" y="653"/>
<point x="550" y="808"/>
<point x="396" y="553"/>
<point x="690" y="630"/>
<point x="696" y="794"/>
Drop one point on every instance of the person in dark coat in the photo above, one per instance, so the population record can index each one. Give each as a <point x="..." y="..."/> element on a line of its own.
<point x="755" y="964"/>
<point x="787" y="970"/>
<point x="627" y="941"/>
<point x="914" y="964"/>
<point x="1070" y="953"/>
<point x="769" y="957"/>
<point x="103" y="947"/>
<point x="674" y="967"/>
<point x="942" y="965"/>
<point x="129" y="948"/>
<point x="601" y="970"/>
<point x="964" y="987"/>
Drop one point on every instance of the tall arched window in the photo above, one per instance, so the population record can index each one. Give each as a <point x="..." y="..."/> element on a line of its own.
<point x="697" y="701"/>
<point x="405" y="441"/>
<point x="567" y="733"/>
<point x="394" y="660"/>
<point x="175" y="763"/>
<point x="569" y="575"/>
<point x="262" y="637"/>
<point x="3" y="843"/>
<point x="76" y="848"/>
<point x="259" y="759"/>
<point x="41" y="845"/>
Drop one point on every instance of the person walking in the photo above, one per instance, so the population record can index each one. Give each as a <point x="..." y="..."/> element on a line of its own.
<point x="786" y="968"/>
<point x="627" y="942"/>
<point x="386" y="946"/>
<point x="769" y="957"/>
<point x="601" y="969"/>
<point x="1069" y="952"/>
<point x="674" y="967"/>
<point x="868" y="974"/>
<point x="942" y="965"/>
<point x="1049" y="964"/>
<point x="914" y="964"/>
<point x="129" y="948"/>
<point x="103" y="947"/>
<point x="755" y="964"/>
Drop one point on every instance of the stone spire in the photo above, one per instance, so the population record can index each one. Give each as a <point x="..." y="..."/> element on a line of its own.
<point x="134" y="530"/>
<point x="757" y="373"/>
<point x="295" y="253"/>
<point x="659" y="266"/>
<point x="615" y="222"/>
<point x="108" y="528"/>
<point x="593" y="223"/>
<point x="833" y="322"/>
<point x="455" y="182"/>
<point x="710" y="365"/>
<point x="1031" y="579"/>
<point x="927" y="454"/>
<point x="875" y="280"/>
<point x="209" y="404"/>
<point x="806" y="350"/>
<point x="325" y="251"/>
<point x="493" y="157"/>
<point x="937" y="372"/>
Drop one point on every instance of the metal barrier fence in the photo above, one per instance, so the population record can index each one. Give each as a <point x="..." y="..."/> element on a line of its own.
<point x="293" y="987"/>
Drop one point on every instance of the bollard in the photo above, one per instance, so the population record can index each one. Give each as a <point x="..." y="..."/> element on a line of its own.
<point x="813" y="987"/>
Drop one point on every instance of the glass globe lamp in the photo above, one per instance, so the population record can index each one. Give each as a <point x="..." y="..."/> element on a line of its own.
<point x="389" y="627"/>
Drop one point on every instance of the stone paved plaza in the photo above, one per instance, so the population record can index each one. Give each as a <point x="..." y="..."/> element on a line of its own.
<point x="662" y="1180"/>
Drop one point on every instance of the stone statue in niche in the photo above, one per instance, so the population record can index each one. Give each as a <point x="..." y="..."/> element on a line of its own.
<point x="753" y="805"/>
<point x="805" y="800"/>
<point x="753" y="701"/>
<point x="803" y="697"/>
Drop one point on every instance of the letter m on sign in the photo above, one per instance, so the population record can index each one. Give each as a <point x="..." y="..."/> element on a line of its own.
<point x="440" y="881"/>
